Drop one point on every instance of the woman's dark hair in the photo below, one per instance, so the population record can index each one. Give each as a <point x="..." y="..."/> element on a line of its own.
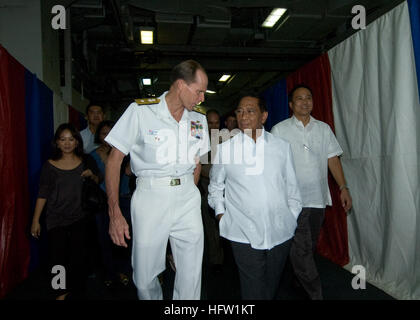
<point x="105" y="123"/>
<point x="56" y="153"/>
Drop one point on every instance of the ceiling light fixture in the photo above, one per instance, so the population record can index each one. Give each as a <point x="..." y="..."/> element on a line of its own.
<point x="147" y="81"/>
<point x="210" y="91"/>
<point x="273" y="17"/>
<point x="146" y="36"/>
<point x="224" y="78"/>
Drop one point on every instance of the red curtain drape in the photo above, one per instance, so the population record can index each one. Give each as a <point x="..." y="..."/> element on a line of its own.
<point x="74" y="118"/>
<point x="333" y="240"/>
<point x="14" y="193"/>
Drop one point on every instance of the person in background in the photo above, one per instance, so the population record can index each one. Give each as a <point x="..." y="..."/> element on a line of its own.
<point x="315" y="150"/>
<point x="94" y="116"/>
<point x="211" y="230"/>
<point x="60" y="193"/>
<point x="116" y="260"/>
<point x="230" y="122"/>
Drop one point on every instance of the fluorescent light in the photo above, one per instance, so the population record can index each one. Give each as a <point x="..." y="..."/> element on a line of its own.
<point x="146" y="37"/>
<point x="224" y="77"/>
<point x="147" y="81"/>
<point x="210" y="91"/>
<point x="278" y="12"/>
<point x="273" y="17"/>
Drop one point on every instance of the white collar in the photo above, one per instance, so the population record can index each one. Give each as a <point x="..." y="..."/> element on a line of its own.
<point x="299" y="123"/>
<point x="163" y="110"/>
<point x="262" y="136"/>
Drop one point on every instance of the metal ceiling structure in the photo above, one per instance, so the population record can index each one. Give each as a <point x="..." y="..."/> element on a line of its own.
<point x="225" y="36"/>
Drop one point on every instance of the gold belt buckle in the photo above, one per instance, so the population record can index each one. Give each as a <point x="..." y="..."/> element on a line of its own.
<point x="175" y="182"/>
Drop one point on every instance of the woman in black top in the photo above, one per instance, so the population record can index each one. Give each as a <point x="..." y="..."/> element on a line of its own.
<point x="60" y="191"/>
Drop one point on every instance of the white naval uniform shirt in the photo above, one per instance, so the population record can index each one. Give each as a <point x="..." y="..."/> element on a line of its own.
<point x="312" y="146"/>
<point x="260" y="199"/>
<point x="159" y="146"/>
<point x="88" y="140"/>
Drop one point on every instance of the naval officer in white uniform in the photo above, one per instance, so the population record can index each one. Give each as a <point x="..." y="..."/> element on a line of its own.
<point x="165" y="138"/>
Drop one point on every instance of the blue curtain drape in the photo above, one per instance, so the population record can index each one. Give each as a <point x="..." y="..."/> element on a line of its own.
<point x="39" y="133"/>
<point x="277" y="104"/>
<point x="39" y="128"/>
<point x="414" y="10"/>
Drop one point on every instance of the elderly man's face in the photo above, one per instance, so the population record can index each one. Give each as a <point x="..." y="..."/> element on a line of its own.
<point x="249" y="114"/>
<point x="301" y="103"/>
<point x="193" y="94"/>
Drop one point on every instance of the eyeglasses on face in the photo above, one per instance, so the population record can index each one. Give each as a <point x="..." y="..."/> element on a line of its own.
<point x="249" y="111"/>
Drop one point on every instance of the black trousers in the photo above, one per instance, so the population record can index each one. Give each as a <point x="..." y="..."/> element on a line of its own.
<point x="303" y="248"/>
<point x="260" y="270"/>
<point x="68" y="248"/>
<point x="212" y="242"/>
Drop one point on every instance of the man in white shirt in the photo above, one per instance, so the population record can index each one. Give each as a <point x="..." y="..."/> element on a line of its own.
<point x="164" y="137"/>
<point x="94" y="116"/>
<point x="253" y="190"/>
<point x="315" y="150"/>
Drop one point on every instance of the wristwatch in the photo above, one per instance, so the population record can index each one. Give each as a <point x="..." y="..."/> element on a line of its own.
<point x="344" y="186"/>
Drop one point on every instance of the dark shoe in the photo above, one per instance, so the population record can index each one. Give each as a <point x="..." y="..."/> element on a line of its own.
<point x="124" y="280"/>
<point x="108" y="283"/>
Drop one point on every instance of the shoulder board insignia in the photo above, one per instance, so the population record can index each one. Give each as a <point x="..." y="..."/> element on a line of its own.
<point x="147" y="101"/>
<point x="200" y="109"/>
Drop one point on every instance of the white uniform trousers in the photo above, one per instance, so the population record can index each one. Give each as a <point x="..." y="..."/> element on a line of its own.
<point x="160" y="211"/>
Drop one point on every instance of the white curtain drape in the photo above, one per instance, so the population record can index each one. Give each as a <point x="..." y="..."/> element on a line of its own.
<point x="377" y="122"/>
